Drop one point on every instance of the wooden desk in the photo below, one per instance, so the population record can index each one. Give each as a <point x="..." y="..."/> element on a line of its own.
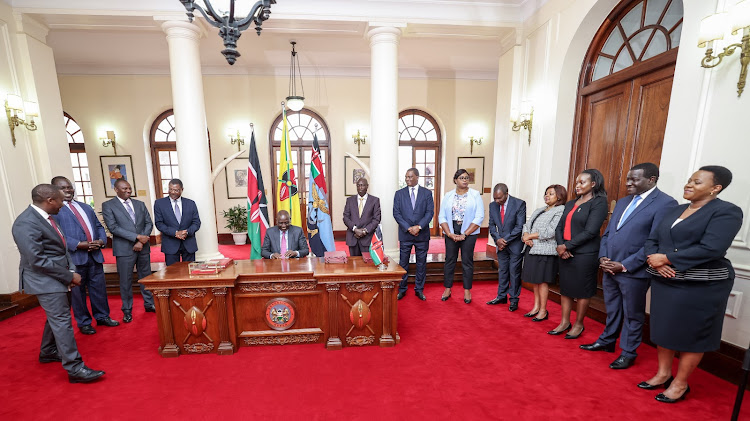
<point x="275" y="302"/>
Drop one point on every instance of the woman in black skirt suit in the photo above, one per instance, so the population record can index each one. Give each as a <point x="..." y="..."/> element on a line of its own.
<point x="578" y="237"/>
<point x="691" y="279"/>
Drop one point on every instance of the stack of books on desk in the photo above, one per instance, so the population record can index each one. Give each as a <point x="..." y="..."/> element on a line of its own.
<point x="209" y="267"/>
<point x="335" y="257"/>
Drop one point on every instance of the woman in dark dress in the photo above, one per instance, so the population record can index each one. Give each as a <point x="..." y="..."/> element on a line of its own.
<point x="691" y="279"/>
<point x="578" y="237"/>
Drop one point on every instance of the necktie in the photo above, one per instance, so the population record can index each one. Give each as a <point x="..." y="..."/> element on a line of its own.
<point x="283" y="243"/>
<point x="82" y="222"/>
<point x="629" y="210"/>
<point x="130" y="210"/>
<point x="413" y="199"/>
<point x="502" y="214"/>
<point x="54" y="225"/>
<point x="361" y="200"/>
<point x="177" y="212"/>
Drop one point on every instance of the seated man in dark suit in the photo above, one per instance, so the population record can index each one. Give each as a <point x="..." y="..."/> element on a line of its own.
<point x="85" y="237"/>
<point x="361" y="217"/>
<point x="284" y="241"/>
<point x="177" y="219"/>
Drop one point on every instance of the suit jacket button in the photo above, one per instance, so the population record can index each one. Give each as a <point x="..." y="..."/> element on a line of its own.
<point x="675" y="250"/>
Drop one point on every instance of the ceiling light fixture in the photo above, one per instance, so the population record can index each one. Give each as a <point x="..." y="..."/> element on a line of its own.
<point x="293" y="101"/>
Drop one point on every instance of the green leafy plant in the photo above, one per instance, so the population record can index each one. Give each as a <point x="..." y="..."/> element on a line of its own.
<point x="236" y="218"/>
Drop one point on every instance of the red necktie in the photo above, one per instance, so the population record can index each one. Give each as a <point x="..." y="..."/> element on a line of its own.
<point x="82" y="222"/>
<point x="54" y="225"/>
<point x="502" y="214"/>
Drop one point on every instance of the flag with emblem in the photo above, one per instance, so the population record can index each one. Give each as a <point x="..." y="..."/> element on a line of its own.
<point x="286" y="194"/>
<point x="376" y="247"/>
<point x="319" y="226"/>
<point x="257" y="205"/>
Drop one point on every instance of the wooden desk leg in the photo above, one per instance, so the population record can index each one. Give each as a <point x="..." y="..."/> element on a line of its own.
<point x="386" y="340"/>
<point x="225" y="346"/>
<point x="334" y="342"/>
<point x="168" y="348"/>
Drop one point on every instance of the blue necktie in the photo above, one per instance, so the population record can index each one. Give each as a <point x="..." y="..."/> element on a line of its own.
<point x="177" y="212"/>
<point x="413" y="199"/>
<point x="629" y="210"/>
<point x="130" y="210"/>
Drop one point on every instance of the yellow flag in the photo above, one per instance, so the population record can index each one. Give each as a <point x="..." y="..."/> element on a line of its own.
<point x="287" y="198"/>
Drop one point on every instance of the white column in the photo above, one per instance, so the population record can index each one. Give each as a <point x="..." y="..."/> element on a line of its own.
<point x="384" y="127"/>
<point x="192" y="138"/>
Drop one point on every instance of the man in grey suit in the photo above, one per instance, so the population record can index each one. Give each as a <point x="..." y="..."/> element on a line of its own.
<point x="284" y="241"/>
<point x="361" y="216"/>
<point x="130" y="224"/>
<point x="47" y="271"/>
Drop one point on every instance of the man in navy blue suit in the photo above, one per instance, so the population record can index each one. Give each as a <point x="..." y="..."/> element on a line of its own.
<point x="623" y="260"/>
<point x="85" y="237"/>
<point x="413" y="209"/>
<point x="507" y="216"/>
<point x="177" y="219"/>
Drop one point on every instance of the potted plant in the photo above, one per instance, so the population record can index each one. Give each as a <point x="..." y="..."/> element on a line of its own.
<point x="237" y="222"/>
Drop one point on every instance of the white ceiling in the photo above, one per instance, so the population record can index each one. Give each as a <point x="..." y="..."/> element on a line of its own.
<point x="441" y="38"/>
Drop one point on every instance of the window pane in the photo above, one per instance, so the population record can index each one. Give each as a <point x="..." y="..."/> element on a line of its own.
<point x="165" y="186"/>
<point x="83" y="159"/>
<point x="421" y="136"/>
<point x="404" y="135"/>
<point x="87" y="189"/>
<point x="657" y="46"/>
<point x="322" y="138"/>
<point x="278" y="157"/>
<point x="293" y="119"/>
<point x="163" y="157"/>
<point x="170" y="122"/>
<point x="639" y="41"/>
<point x="175" y="171"/>
<point x="675" y="36"/>
<point x="632" y="21"/>
<point x="401" y="126"/>
<point x="674" y="14"/>
<point x="614" y="42"/>
<point x="277" y="134"/>
<point x="420" y="168"/>
<point x="429" y="182"/>
<point x="654" y="9"/>
<point x="430" y="156"/>
<point x="432" y="135"/>
<point x="79" y="188"/>
<point x="78" y="137"/>
<point x="412" y="132"/>
<point x="307" y="135"/>
<point x="160" y="136"/>
<point x="166" y="172"/>
<point x="306" y="120"/>
<point x="77" y="174"/>
<point x="623" y="61"/>
<point x="404" y="163"/>
<point x="418" y="120"/>
<point x="74" y="160"/>
<point x="173" y="157"/>
<point x="429" y="170"/>
<point x="85" y="176"/>
<point x="602" y="67"/>
<point x="420" y="155"/>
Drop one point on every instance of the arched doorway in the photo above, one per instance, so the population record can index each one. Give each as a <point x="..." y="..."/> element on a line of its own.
<point x="624" y="90"/>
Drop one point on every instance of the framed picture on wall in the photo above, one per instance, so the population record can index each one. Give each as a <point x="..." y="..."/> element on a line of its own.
<point x="236" y="172"/>
<point x="474" y="165"/>
<point x="115" y="167"/>
<point x="352" y="173"/>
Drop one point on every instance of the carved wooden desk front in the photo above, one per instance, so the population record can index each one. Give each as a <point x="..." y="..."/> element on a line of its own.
<point x="275" y="302"/>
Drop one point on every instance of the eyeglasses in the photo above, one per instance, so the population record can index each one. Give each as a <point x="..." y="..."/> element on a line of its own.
<point x="463" y="178"/>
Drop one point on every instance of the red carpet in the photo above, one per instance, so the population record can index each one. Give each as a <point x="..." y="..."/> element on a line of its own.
<point x="437" y="245"/>
<point x="454" y="362"/>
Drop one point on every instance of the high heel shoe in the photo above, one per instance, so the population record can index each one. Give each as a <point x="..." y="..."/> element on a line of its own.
<point x="537" y="319"/>
<point x="445" y="297"/>
<point x="648" y="386"/>
<point x="569" y="336"/>
<point x="663" y="398"/>
<point x="530" y="314"/>
<point x="467" y="300"/>
<point x="555" y="332"/>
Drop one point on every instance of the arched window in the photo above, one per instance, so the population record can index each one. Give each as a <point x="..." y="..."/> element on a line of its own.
<point x="79" y="160"/>
<point x="164" y="152"/>
<point x="649" y="28"/>
<point x="301" y="127"/>
<point x="419" y="147"/>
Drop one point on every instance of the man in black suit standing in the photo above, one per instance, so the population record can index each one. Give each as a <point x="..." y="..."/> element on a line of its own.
<point x="413" y="209"/>
<point x="130" y="224"/>
<point x="177" y="219"/>
<point x="623" y="259"/>
<point x="507" y="216"/>
<point x="47" y="271"/>
<point x="361" y="216"/>
<point x="85" y="237"/>
<point x="284" y="241"/>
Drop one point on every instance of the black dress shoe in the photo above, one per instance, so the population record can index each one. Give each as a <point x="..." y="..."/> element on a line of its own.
<point x="85" y="375"/>
<point x="497" y="300"/>
<point x="445" y="297"/>
<point x="87" y="330"/>
<point x="596" y="346"/>
<point x="107" y="322"/>
<point x="530" y="314"/>
<point x="569" y="336"/>
<point x="663" y="398"/>
<point x="127" y="318"/>
<point x="150" y="310"/>
<point x="467" y="300"/>
<point x="50" y="358"/>
<point x="555" y="332"/>
<point x="513" y="307"/>
<point x="420" y="295"/>
<point x="622" y="362"/>
<point x="537" y="319"/>
<point x="401" y="295"/>
<point x="647" y="386"/>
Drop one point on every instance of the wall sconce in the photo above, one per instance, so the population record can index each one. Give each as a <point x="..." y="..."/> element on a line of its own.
<point x="474" y="141"/>
<point x="15" y="104"/>
<point x="714" y="27"/>
<point x="108" y="139"/>
<point x="523" y="120"/>
<point x="235" y="136"/>
<point x="359" y="140"/>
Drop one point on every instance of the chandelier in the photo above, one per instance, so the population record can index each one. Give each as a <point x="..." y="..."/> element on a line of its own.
<point x="293" y="101"/>
<point x="230" y="26"/>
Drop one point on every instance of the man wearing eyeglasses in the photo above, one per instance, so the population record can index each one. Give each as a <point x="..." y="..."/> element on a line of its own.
<point x="177" y="219"/>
